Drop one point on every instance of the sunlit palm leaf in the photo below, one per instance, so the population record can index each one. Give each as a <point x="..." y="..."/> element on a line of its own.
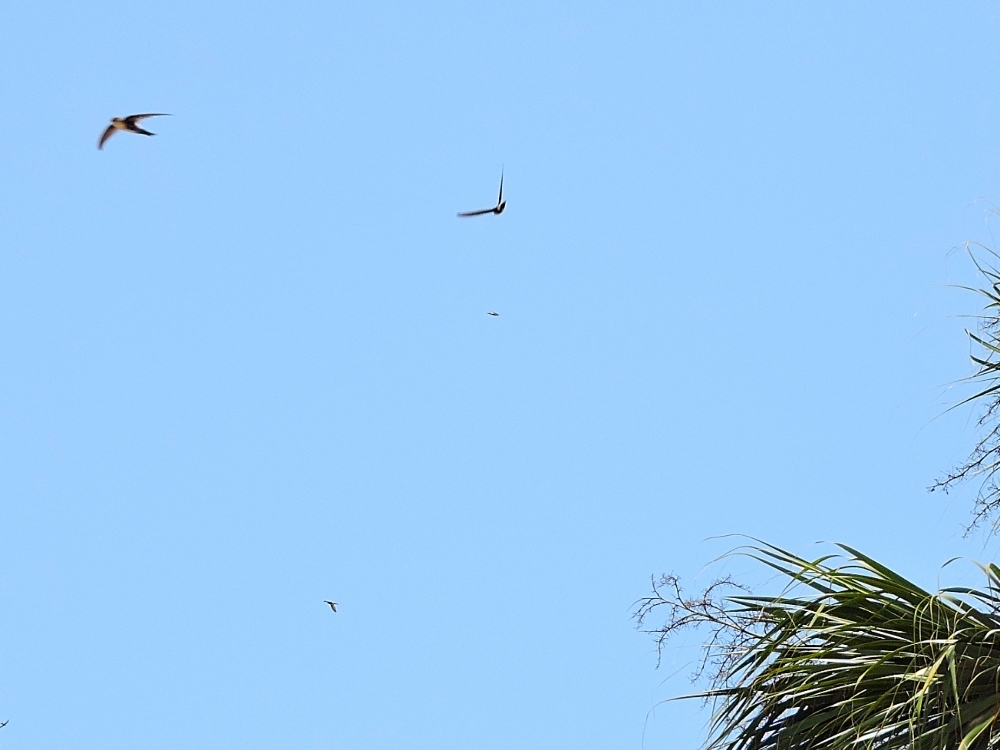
<point x="984" y="461"/>
<point x="851" y="655"/>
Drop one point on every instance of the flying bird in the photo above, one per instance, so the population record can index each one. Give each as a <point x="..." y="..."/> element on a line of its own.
<point x="497" y="209"/>
<point x="129" y="124"/>
<point x="494" y="314"/>
<point x="4" y="724"/>
<point x="333" y="605"/>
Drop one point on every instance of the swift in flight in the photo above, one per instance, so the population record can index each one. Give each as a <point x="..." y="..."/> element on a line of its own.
<point x="494" y="314"/>
<point x="497" y="209"/>
<point x="333" y="605"/>
<point x="127" y="123"/>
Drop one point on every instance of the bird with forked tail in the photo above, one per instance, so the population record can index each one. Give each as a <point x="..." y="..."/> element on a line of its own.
<point x="129" y="124"/>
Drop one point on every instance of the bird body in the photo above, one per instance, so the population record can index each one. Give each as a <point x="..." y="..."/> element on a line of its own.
<point x="129" y="124"/>
<point x="497" y="209"/>
<point x="494" y="314"/>
<point x="333" y="605"/>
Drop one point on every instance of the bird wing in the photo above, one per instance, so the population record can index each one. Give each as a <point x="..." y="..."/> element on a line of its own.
<point x="104" y="137"/>
<point x="500" y="198"/>
<point x="133" y="119"/>
<point x="477" y="213"/>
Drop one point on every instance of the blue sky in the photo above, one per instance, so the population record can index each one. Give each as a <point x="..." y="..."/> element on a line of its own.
<point x="247" y="366"/>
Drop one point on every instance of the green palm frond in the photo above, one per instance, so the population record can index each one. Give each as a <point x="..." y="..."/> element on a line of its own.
<point x="850" y="655"/>
<point x="984" y="460"/>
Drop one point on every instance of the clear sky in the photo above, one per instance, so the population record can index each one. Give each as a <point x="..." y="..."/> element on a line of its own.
<point x="246" y="365"/>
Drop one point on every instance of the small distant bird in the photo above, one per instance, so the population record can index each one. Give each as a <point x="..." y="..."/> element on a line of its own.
<point x="333" y="605"/>
<point x="497" y="209"/>
<point x="129" y="124"/>
<point x="4" y="724"/>
<point x="494" y="314"/>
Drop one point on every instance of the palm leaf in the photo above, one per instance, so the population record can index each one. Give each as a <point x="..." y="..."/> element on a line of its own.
<point x="983" y="462"/>
<point x="849" y="655"/>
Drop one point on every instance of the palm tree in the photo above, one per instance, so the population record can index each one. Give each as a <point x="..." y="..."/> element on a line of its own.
<point x="850" y="655"/>
<point x="984" y="460"/>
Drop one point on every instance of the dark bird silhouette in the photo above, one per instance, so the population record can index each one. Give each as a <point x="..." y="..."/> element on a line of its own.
<point x="333" y="605"/>
<point x="494" y="314"/>
<point x="4" y="724"/>
<point x="497" y="209"/>
<point x="129" y="124"/>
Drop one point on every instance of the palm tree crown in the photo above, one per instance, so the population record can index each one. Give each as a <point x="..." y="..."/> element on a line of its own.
<point x="849" y="655"/>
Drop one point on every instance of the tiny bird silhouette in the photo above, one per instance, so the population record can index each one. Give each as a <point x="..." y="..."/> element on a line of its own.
<point x="497" y="209"/>
<point x="4" y="724"/>
<point x="333" y="605"/>
<point x="129" y="124"/>
<point x="494" y="314"/>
